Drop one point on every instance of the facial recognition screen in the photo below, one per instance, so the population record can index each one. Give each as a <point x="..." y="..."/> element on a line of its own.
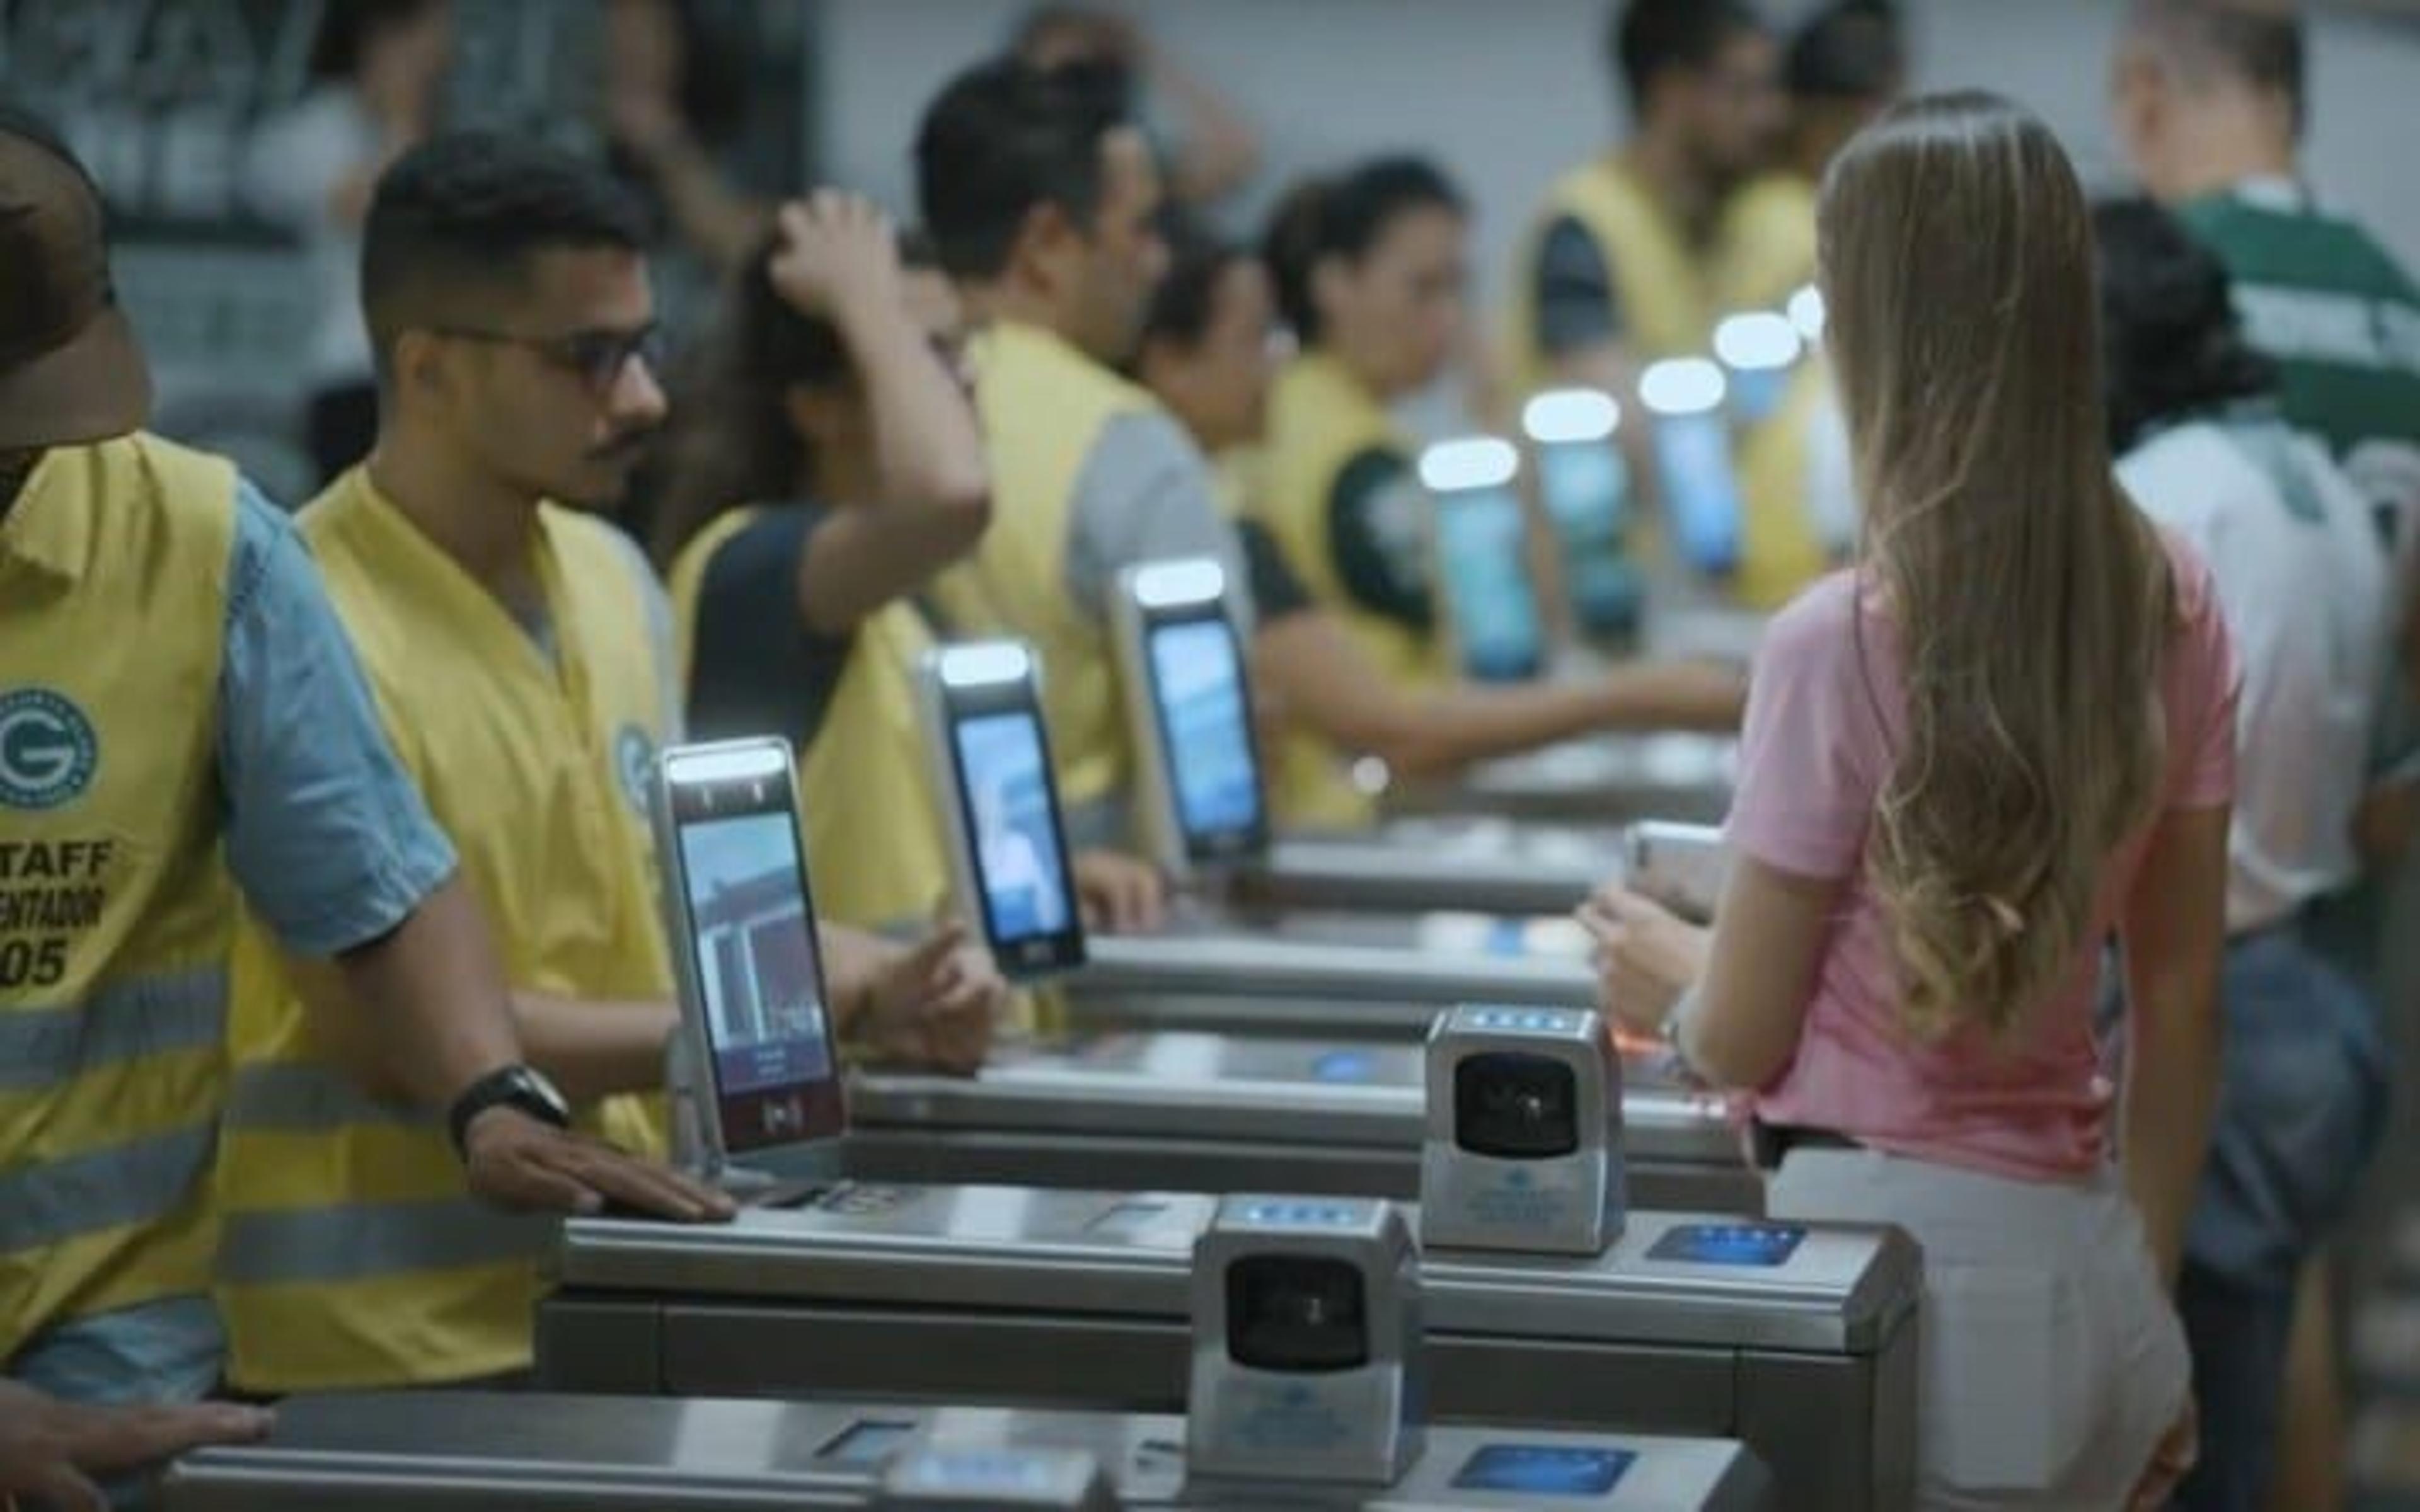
<point x="1701" y="491"/>
<point x="1198" y="682"/>
<point x="1481" y="547"/>
<point x="757" y="968"/>
<point x="1585" y="486"/>
<point x="1758" y="1246"/>
<point x="1012" y="817"/>
<point x="1544" y="1469"/>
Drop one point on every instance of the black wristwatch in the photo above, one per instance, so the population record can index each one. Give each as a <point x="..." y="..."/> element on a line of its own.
<point x="518" y="1087"/>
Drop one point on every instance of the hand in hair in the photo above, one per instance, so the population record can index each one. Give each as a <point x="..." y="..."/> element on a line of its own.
<point x="838" y="258"/>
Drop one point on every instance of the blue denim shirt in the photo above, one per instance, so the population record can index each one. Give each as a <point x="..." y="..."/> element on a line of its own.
<point x="325" y="833"/>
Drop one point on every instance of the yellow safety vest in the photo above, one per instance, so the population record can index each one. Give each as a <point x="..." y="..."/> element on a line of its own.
<point x="113" y="906"/>
<point x="353" y="1254"/>
<point x="1043" y="405"/>
<point x="1671" y="296"/>
<point x="1781" y="543"/>
<point x="1320" y="419"/>
<point x="874" y="852"/>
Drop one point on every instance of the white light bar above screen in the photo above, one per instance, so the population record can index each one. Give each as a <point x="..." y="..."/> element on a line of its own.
<point x="985" y="663"/>
<point x="1471" y="462"/>
<point x="710" y="765"/>
<point x="1570" y="415"/>
<point x="1171" y="584"/>
<point x="1759" y="341"/>
<point x="1682" y="386"/>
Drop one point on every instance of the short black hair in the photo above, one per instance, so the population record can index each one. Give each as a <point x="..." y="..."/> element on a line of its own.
<point x="348" y="27"/>
<point x="2258" y="43"/>
<point x="1849" y="49"/>
<point x="1344" y="217"/>
<point x="1186" y="301"/>
<point x="463" y="214"/>
<point x="1647" y="38"/>
<point x="1003" y="138"/>
<point x="2173" y="347"/>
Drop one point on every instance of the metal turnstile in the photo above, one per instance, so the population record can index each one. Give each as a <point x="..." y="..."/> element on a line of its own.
<point x="1408" y="865"/>
<point x="1802" y="1348"/>
<point x="474" y="1452"/>
<point x="1608" y="779"/>
<point x="1280" y="983"/>
<point x="1212" y="1113"/>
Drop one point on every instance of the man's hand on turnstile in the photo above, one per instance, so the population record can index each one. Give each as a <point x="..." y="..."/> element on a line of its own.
<point x="50" y="1450"/>
<point x="523" y="1163"/>
<point x="1120" y="895"/>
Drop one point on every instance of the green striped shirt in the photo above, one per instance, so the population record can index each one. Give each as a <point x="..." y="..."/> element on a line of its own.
<point x="2339" y="316"/>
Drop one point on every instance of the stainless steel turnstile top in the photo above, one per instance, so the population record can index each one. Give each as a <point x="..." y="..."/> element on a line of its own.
<point x="468" y="1452"/>
<point x="1261" y="966"/>
<point x="1606" y="781"/>
<point x="1128" y="1254"/>
<point x="1486" y="865"/>
<point x="1292" y="1093"/>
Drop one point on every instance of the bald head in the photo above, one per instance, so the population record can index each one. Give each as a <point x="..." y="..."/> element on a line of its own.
<point x="2208" y="93"/>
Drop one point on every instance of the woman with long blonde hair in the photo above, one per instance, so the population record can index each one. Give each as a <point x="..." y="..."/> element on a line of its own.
<point x="2001" y="739"/>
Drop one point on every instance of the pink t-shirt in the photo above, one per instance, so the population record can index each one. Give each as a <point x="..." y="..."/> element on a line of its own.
<point x="1813" y="758"/>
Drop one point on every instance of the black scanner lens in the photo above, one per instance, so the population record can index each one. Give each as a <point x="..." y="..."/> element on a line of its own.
<point x="1515" y="1106"/>
<point x="1296" y="1312"/>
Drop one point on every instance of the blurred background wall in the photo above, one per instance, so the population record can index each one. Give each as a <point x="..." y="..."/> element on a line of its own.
<point x="1509" y="93"/>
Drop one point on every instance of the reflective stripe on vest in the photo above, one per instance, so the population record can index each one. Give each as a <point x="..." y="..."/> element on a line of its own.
<point x="354" y="1255"/>
<point x="114" y="902"/>
<point x="300" y="1097"/>
<point x="121" y="1021"/>
<point x="139" y="1182"/>
<point x="277" y="1248"/>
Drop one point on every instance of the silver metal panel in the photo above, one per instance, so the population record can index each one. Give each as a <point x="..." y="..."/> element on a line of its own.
<point x="1428" y="864"/>
<point x="1611" y="779"/>
<point x="541" y="1453"/>
<point x="1258" y="966"/>
<point x="1207" y="1086"/>
<point x="472" y="1451"/>
<point x="1128" y="1254"/>
<point x="1011" y="1155"/>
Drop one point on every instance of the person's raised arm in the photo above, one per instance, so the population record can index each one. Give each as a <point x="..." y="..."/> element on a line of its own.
<point x="838" y="261"/>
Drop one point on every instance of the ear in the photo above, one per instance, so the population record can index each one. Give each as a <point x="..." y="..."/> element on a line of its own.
<point x="1045" y="240"/>
<point x="418" y="369"/>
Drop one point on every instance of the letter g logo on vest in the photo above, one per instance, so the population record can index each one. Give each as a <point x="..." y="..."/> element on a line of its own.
<point x="48" y="750"/>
